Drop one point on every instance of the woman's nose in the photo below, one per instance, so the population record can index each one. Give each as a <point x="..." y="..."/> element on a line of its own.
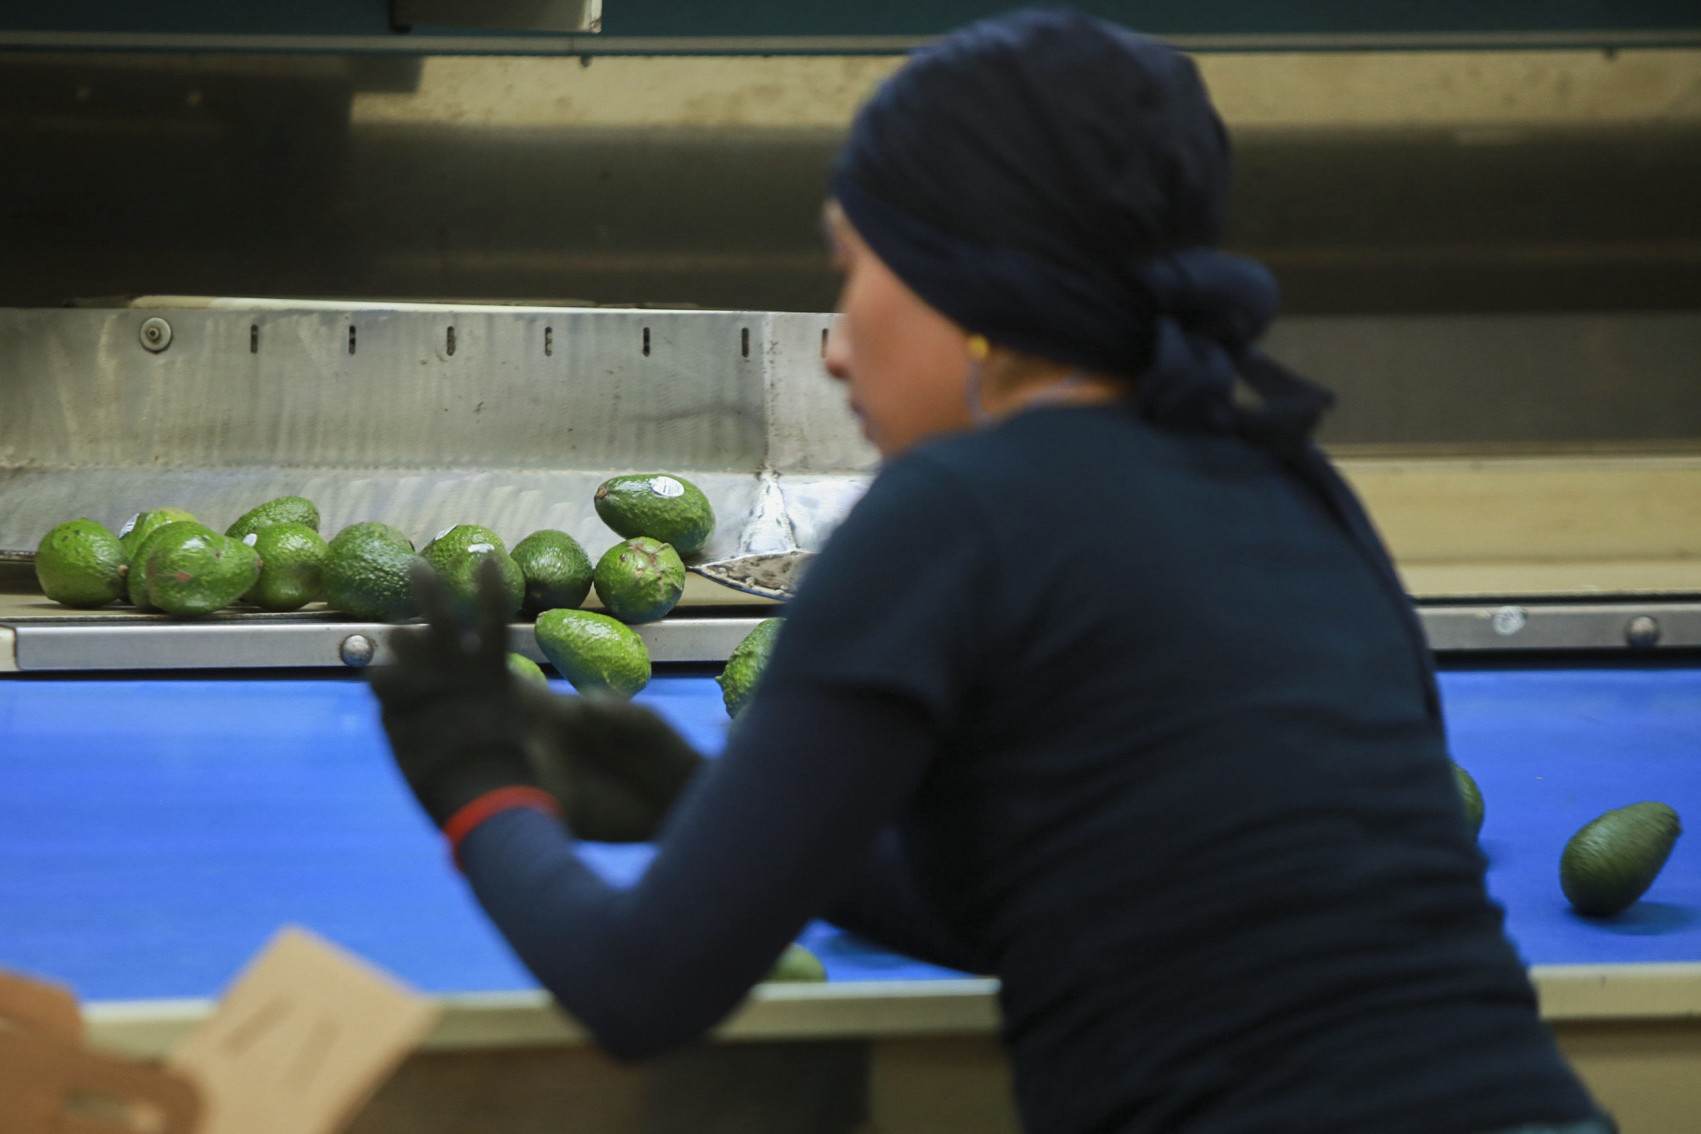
<point x="836" y="357"/>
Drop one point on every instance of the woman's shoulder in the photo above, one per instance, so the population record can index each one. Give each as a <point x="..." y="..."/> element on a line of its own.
<point x="930" y="482"/>
<point x="1007" y="455"/>
<point x="926" y="505"/>
<point x="968" y="476"/>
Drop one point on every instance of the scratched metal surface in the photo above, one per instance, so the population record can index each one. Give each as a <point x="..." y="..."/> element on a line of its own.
<point x="513" y="427"/>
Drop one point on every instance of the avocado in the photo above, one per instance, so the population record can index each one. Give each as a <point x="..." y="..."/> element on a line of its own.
<point x="367" y="529"/>
<point x="662" y="507"/>
<point x="798" y="964"/>
<point x="197" y="572"/>
<point x="80" y="563"/>
<point x="1471" y="797"/>
<point x="639" y="580"/>
<point x="367" y="575"/>
<point x="143" y="524"/>
<point x="745" y="664"/>
<point x="1614" y="859"/>
<point x="283" y="510"/>
<point x="292" y="563"/>
<point x="135" y="581"/>
<point x="557" y="570"/>
<point x="457" y="553"/>
<point x="463" y="538"/>
<point x="593" y="651"/>
<point x="526" y="669"/>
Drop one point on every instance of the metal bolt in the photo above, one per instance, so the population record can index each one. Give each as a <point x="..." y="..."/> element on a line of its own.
<point x="357" y="650"/>
<point x="1508" y="620"/>
<point x="1641" y="632"/>
<point x="156" y="334"/>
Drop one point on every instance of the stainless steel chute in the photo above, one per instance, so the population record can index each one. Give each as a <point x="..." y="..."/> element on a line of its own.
<point x="422" y="415"/>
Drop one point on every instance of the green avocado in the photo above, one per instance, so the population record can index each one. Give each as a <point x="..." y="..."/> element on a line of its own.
<point x="135" y="581"/>
<point x="593" y="651"/>
<point x="745" y="664"/>
<point x="197" y="572"/>
<point x="368" y="575"/>
<point x="1471" y="797"/>
<point x="1614" y="859"/>
<point x="557" y="570"/>
<point x="526" y="669"/>
<point x="463" y="538"/>
<point x="369" y="529"/>
<point x="457" y="554"/>
<point x="666" y="508"/>
<point x="143" y="524"/>
<point x="639" y="580"/>
<point x="80" y="563"/>
<point x="283" y="510"/>
<point x="798" y="964"/>
<point x="292" y="563"/>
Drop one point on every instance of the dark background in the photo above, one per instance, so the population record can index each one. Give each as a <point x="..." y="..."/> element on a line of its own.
<point x="243" y="174"/>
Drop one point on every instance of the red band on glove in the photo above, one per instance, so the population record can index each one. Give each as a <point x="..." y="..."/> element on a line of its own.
<point x="462" y="822"/>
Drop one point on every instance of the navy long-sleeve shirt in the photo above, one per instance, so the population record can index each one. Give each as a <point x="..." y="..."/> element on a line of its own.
<point x="1122" y="715"/>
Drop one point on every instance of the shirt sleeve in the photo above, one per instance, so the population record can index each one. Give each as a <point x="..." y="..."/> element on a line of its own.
<point x="765" y="839"/>
<point x="896" y="602"/>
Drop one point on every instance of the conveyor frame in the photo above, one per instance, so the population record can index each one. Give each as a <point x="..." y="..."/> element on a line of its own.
<point x="118" y="641"/>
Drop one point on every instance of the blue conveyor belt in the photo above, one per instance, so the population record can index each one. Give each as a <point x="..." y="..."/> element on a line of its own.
<point x="1552" y="749"/>
<point x="155" y="832"/>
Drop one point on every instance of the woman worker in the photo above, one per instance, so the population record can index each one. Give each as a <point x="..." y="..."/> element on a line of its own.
<point x="1106" y="687"/>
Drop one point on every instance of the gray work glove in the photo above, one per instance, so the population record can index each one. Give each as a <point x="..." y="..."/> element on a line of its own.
<point x="461" y="725"/>
<point x="615" y="767"/>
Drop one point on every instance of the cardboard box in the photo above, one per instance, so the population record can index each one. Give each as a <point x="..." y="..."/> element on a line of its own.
<point x="297" y="1045"/>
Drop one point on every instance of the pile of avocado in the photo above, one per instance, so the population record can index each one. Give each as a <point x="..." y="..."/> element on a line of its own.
<point x="661" y="518"/>
<point x="1608" y="864"/>
<point x="167" y="560"/>
<point x="273" y="557"/>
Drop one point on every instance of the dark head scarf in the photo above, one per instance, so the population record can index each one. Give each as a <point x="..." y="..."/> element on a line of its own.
<point x="1058" y="184"/>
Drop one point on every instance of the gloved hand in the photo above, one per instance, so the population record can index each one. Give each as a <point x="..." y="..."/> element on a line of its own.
<point x="461" y="725"/>
<point x="615" y="767"/>
<point x="452" y="710"/>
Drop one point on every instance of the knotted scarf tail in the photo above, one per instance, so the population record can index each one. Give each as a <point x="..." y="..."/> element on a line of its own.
<point x="1291" y="407"/>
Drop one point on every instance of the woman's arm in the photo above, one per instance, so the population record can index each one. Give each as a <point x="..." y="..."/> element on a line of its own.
<point x="766" y="838"/>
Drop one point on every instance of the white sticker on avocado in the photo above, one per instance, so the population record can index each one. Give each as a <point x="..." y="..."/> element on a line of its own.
<point x="481" y="548"/>
<point x="251" y="538"/>
<point x="666" y="486"/>
<point x="129" y="525"/>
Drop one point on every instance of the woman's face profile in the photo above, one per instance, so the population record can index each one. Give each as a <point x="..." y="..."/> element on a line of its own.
<point x="904" y="362"/>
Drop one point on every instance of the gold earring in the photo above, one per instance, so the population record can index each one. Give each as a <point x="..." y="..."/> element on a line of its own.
<point x="979" y="348"/>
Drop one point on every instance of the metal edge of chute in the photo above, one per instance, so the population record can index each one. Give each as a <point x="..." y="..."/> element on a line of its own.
<point x="769" y="563"/>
